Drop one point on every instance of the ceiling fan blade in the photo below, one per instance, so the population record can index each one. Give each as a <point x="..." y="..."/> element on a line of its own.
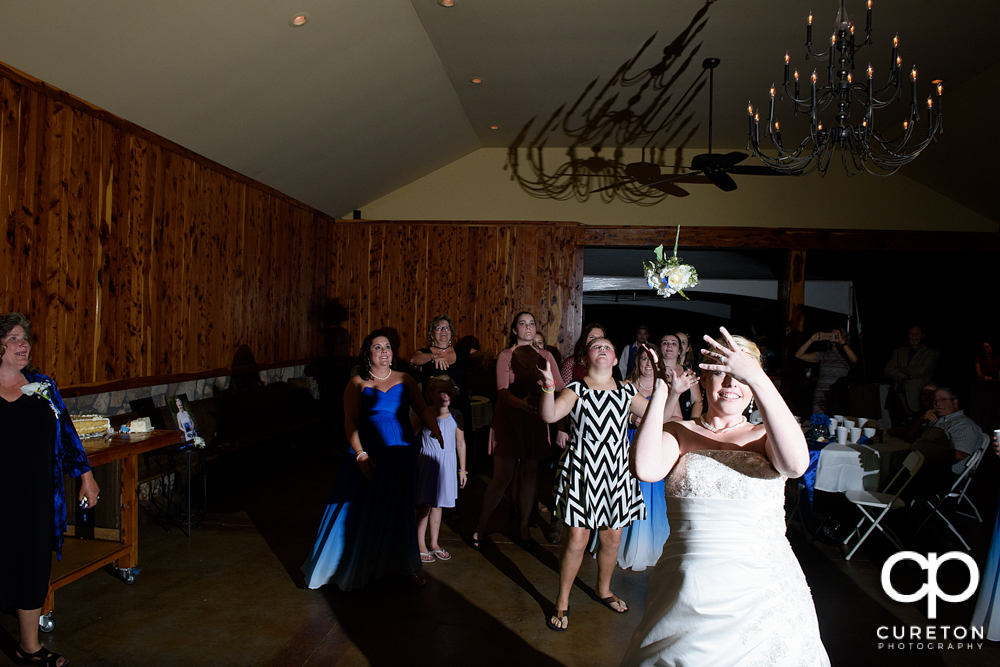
<point x="699" y="162"/>
<point x="722" y="180"/>
<point x="728" y="160"/>
<point x="614" y="185"/>
<point x="756" y="171"/>
<point x="670" y="189"/>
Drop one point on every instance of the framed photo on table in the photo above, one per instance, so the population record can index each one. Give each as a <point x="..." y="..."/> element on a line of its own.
<point x="181" y="412"/>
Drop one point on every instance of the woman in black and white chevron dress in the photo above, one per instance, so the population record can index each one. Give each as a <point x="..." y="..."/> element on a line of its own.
<point x="594" y="488"/>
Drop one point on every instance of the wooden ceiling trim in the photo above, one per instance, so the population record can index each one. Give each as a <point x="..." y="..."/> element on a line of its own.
<point x="791" y="239"/>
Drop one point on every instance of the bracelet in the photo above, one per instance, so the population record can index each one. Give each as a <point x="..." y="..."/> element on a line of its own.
<point x="357" y="456"/>
<point x="463" y="472"/>
<point x="546" y="390"/>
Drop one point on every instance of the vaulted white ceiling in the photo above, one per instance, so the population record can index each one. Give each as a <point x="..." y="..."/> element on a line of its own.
<point x="369" y="96"/>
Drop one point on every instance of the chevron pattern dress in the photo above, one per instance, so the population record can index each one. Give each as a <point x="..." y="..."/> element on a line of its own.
<point x="594" y="488"/>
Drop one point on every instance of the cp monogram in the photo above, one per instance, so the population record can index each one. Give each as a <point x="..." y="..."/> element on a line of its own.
<point x="930" y="590"/>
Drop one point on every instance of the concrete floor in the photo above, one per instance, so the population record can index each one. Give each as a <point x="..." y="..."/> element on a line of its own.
<point x="232" y="594"/>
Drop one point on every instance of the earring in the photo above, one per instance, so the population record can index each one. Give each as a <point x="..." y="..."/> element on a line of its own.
<point x="752" y="405"/>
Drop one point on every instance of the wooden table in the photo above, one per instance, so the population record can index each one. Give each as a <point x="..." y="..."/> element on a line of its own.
<point x="83" y="556"/>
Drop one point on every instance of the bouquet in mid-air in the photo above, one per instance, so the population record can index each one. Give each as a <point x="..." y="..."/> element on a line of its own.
<point x="669" y="275"/>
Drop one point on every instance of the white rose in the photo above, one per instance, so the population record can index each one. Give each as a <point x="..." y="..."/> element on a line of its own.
<point x="679" y="276"/>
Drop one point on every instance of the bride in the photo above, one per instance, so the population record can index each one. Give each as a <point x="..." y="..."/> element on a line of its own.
<point x="727" y="589"/>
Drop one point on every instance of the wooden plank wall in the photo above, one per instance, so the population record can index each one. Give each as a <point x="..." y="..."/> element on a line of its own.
<point x="398" y="275"/>
<point x="133" y="258"/>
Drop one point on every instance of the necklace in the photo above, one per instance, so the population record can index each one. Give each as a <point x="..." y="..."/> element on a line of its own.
<point x="441" y="348"/>
<point x="701" y="420"/>
<point x="638" y="381"/>
<point x="372" y="373"/>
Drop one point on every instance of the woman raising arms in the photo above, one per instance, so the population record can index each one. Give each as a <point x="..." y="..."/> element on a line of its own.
<point x="594" y="489"/>
<point x="727" y="589"/>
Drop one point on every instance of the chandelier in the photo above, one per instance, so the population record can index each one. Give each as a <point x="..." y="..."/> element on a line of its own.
<point x="879" y="150"/>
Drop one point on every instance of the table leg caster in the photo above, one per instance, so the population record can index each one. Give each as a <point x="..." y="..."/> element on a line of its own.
<point x="128" y="574"/>
<point x="45" y="622"/>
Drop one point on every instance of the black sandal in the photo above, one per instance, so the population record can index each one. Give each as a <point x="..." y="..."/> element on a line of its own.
<point x="607" y="602"/>
<point x="40" y="658"/>
<point x="558" y="614"/>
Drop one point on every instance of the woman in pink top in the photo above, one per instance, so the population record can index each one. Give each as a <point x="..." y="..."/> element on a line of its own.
<point x="520" y="439"/>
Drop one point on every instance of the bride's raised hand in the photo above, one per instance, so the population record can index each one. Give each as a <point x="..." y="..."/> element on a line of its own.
<point x="730" y="359"/>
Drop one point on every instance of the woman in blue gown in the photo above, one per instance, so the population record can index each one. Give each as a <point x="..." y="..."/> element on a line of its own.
<point x="369" y="528"/>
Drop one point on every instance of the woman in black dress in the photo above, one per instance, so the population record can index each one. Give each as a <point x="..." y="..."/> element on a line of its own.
<point x="38" y="445"/>
<point x="441" y="357"/>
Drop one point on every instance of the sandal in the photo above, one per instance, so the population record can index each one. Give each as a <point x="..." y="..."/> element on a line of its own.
<point x="477" y="542"/>
<point x="559" y="615"/>
<point x="41" y="658"/>
<point x="440" y="554"/>
<point x="607" y="602"/>
<point x="426" y="557"/>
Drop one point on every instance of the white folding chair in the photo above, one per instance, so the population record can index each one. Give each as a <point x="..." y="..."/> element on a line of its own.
<point x="957" y="490"/>
<point x="965" y="487"/>
<point x="888" y="500"/>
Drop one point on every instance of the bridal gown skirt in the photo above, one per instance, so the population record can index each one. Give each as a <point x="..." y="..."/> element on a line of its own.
<point x="727" y="589"/>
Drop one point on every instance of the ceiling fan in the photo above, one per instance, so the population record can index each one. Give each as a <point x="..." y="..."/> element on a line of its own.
<point x="716" y="167"/>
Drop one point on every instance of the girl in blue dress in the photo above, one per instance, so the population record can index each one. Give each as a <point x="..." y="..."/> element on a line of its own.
<point x="643" y="539"/>
<point x="369" y="528"/>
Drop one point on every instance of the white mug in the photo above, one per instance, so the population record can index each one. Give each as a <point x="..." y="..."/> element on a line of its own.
<point x="869" y="433"/>
<point x="855" y="434"/>
<point x="841" y="435"/>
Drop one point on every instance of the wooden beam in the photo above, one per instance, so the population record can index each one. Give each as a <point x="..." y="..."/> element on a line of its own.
<point x="793" y="299"/>
<point x="792" y="239"/>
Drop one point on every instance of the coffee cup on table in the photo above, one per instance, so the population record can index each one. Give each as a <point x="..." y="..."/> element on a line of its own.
<point x="839" y="419"/>
<point x="842" y="435"/>
<point x="849" y="423"/>
<point x="869" y="433"/>
<point x="855" y="434"/>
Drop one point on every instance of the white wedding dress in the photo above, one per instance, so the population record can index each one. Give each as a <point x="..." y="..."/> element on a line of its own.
<point x="727" y="590"/>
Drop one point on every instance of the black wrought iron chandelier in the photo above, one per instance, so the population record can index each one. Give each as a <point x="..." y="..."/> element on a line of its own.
<point x="863" y="145"/>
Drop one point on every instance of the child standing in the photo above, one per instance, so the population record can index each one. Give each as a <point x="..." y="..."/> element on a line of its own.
<point x="437" y="483"/>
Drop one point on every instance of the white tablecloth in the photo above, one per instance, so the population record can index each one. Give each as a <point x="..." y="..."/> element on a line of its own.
<point x="839" y="469"/>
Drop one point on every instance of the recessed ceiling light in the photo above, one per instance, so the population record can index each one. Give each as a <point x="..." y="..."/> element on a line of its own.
<point x="476" y="79"/>
<point x="446" y="3"/>
<point x="299" y="20"/>
<point x="494" y="127"/>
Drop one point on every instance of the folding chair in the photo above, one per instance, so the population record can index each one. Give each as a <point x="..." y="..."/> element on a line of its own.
<point x="889" y="500"/>
<point x="957" y="490"/>
<point x="962" y="494"/>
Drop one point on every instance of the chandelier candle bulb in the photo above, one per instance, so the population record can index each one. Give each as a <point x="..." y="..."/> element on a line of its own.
<point x="796" y="86"/>
<point x="868" y="17"/>
<point x="809" y="30"/>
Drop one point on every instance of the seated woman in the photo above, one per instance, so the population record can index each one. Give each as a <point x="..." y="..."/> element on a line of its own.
<point x="727" y="589"/>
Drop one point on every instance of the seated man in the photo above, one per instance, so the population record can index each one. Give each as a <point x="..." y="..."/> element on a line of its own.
<point x="948" y="440"/>
<point x="911" y="427"/>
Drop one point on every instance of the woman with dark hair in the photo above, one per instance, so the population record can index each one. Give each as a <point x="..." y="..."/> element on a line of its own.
<point x="519" y="438"/>
<point x="38" y="445"/>
<point x="369" y="528"/>
<point x="672" y="352"/>
<point x="986" y="363"/>
<point x="574" y="367"/>
<point x="727" y="590"/>
<point x="835" y="362"/>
